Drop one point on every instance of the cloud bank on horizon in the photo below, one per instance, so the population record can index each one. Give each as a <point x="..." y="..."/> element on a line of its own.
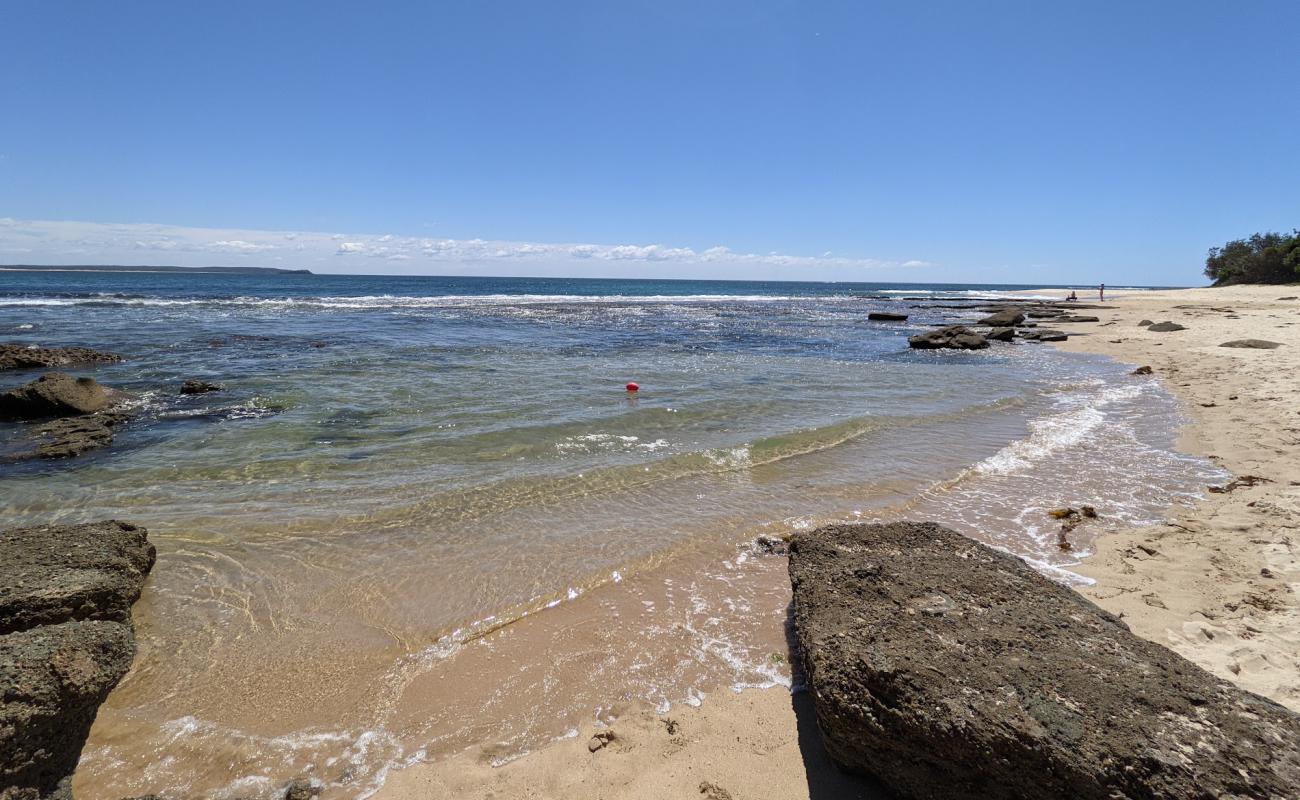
<point x="47" y="242"/>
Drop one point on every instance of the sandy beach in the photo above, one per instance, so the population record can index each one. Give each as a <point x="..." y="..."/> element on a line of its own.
<point x="1216" y="583"/>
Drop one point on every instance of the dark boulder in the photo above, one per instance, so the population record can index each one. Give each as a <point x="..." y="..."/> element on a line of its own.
<point x="1046" y="313"/>
<point x="1145" y="323"/>
<point x="65" y="641"/>
<point x="955" y="337"/>
<point x="1042" y="335"/>
<point x="886" y="316"/>
<point x="1165" y="327"/>
<point x="1004" y="318"/>
<point x="196" y="386"/>
<point x="301" y="789"/>
<point x="1142" y="371"/>
<point x="17" y="356"/>
<point x="1077" y="318"/>
<point x="1253" y="344"/>
<point x="56" y="395"/>
<point x="1001" y="334"/>
<point x="948" y="669"/>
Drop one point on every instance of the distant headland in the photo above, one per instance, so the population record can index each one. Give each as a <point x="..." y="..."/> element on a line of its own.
<point x="148" y="268"/>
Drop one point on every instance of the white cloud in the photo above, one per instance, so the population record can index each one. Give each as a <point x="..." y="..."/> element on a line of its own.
<point x="55" y="242"/>
<point x="240" y="246"/>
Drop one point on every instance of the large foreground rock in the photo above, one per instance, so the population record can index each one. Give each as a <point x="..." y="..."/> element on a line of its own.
<point x="1252" y="344"/>
<point x="57" y="573"/>
<point x="56" y="395"/>
<point x="54" y="679"/>
<point x="950" y="670"/>
<point x="18" y="356"/>
<point x="955" y="337"/>
<point x="65" y="641"/>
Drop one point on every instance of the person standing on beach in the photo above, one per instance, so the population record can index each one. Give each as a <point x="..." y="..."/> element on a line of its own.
<point x="1101" y="292"/>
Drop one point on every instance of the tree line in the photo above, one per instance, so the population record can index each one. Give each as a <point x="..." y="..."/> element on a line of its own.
<point x="1263" y="258"/>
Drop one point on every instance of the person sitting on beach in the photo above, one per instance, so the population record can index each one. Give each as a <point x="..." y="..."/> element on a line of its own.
<point x="1072" y="296"/>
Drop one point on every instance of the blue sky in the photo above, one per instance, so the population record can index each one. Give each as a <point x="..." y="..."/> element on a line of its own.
<point x="1036" y="142"/>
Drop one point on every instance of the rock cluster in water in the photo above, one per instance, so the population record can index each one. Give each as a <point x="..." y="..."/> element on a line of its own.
<point x="65" y="641"/>
<point x="1005" y="323"/>
<point x="71" y="415"/>
<point x="952" y="337"/>
<point x="948" y="669"/>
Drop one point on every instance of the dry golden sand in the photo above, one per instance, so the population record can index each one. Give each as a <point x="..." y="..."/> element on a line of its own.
<point x="1217" y="583"/>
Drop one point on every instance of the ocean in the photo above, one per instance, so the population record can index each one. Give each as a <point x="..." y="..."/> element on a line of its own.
<point x="425" y="515"/>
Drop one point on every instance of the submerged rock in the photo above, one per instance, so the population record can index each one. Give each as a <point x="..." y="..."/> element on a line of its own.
<point x="65" y="641"/>
<point x="65" y="438"/>
<point x="886" y="316"/>
<point x="1165" y="327"/>
<point x="956" y="337"/>
<point x="1253" y="344"/>
<point x="196" y="386"/>
<point x="1143" y="370"/>
<point x="948" y="669"/>
<point x="1004" y="318"/>
<point x="767" y="545"/>
<point x="56" y="395"/>
<point x="17" y="356"/>
<point x="301" y="789"/>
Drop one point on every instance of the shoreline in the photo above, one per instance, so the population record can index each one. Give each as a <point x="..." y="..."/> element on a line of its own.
<point x="1215" y="582"/>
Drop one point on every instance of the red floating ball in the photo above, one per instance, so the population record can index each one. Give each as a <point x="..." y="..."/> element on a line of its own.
<point x="632" y="387"/>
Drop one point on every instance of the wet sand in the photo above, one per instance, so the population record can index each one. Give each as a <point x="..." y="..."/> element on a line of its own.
<point x="1216" y="582"/>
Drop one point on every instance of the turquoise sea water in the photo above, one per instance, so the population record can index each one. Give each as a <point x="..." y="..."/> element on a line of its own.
<point x="399" y="467"/>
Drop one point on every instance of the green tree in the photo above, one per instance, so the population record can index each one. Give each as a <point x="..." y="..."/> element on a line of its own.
<point x="1263" y="258"/>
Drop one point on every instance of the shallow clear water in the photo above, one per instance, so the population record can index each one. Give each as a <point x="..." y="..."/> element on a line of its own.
<point x="424" y="514"/>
